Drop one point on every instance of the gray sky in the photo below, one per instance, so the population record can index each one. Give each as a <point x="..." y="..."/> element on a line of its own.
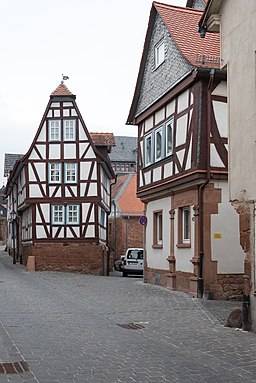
<point x="97" y="43"/>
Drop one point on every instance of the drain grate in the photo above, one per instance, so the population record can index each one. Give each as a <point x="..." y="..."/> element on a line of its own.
<point x="13" y="367"/>
<point x="131" y="326"/>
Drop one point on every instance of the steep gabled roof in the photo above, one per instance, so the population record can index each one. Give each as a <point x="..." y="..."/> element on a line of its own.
<point x="182" y="24"/>
<point x="9" y="162"/>
<point x="62" y="91"/>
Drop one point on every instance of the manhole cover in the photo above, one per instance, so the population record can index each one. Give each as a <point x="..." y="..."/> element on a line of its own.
<point x="131" y="326"/>
<point x="13" y="367"/>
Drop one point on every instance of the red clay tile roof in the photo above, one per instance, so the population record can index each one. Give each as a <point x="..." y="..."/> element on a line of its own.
<point x="183" y="24"/>
<point x="61" y="90"/>
<point x="128" y="201"/>
<point x="120" y="180"/>
<point x="103" y="139"/>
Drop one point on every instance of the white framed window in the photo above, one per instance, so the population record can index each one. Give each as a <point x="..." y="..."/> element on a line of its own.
<point x="54" y="172"/>
<point x="169" y="137"/>
<point x="158" y="144"/>
<point x="73" y="214"/>
<point x="159" y="53"/>
<point x="69" y="130"/>
<point x="58" y="217"/>
<point x="54" y="130"/>
<point x="70" y="172"/>
<point x="186" y="224"/>
<point x="148" y="149"/>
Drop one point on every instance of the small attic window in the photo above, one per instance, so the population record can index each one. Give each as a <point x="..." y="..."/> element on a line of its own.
<point x="159" y="53"/>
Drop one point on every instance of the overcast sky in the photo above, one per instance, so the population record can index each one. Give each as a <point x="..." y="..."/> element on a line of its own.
<point x="97" y="43"/>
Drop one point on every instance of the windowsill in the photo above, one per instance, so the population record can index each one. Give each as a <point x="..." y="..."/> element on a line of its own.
<point x="157" y="246"/>
<point x="183" y="245"/>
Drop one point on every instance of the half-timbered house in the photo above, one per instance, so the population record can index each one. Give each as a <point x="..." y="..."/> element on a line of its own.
<point x="59" y="193"/>
<point x="179" y="105"/>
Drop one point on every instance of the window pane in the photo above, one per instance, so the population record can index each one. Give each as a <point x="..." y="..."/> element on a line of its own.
<point x="54" y="130"/>
<point x="72" y="214"/>
<point x="158" y="144"/>
<point x="148" y="150"/>
<point x="186" y="224"/>
<point x="55" y="172"/>
<point x="69" y="126"/>
<point x="58" y="214"/>
<point x="70" y="172"/>
<point x="160" y="227"/>
<point x="169" y="137"/>
<point x="159" y="53"/>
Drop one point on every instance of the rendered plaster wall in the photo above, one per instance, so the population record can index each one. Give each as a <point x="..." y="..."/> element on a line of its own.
<point x="225" y="242"/>
<point x="156" y="258"/>
<point x="238" y="46"/>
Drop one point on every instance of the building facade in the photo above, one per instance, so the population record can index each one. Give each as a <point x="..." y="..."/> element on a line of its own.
<point x="180" y="107"/>
<point x="59" y="194"/>
<point x="236" y="23"/>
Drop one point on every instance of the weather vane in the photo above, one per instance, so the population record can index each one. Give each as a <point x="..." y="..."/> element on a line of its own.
<point x="64" y="78"/>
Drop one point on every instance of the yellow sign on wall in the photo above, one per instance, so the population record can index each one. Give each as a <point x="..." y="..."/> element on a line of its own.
<point x="217" y="235"/>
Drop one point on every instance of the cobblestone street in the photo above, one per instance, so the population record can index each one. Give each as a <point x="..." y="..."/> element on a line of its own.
<point x="68" y="329"/>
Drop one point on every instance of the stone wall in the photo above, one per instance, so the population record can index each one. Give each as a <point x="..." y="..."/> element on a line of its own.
<point x="85" y="257"/>
<point x="228" y="287"/>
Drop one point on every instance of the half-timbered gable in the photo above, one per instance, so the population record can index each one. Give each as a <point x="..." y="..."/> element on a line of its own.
<point x="63" y="189"/>
<point x="180" y="107"/>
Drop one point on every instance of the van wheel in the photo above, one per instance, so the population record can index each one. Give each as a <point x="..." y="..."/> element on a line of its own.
<point x="124" y="274"/>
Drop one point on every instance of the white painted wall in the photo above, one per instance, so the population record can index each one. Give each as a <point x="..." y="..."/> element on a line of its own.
<point x="226" y="250"/>
<point x="183" y="255"/>
<point x="238" y="46"/>
<point x="156" y="258"/>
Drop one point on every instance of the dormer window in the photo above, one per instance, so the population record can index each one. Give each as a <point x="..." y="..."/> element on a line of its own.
<point x="159" y="53"/>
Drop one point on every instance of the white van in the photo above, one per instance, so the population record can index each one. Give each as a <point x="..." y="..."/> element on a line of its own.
<point x="133" y="262"/>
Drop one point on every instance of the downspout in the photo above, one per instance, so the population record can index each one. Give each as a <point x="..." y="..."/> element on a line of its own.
<point x="202" y="188"/>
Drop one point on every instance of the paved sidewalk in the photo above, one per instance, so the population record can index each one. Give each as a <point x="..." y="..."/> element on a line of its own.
<point x="76" y="328"/>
